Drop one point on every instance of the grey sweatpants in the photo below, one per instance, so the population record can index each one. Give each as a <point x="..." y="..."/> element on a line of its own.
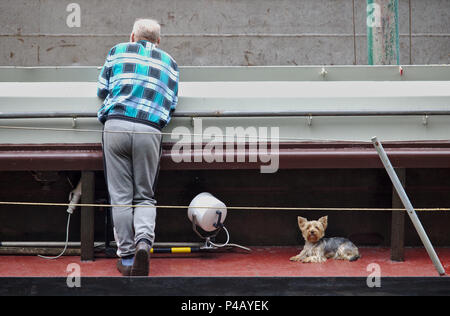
<point x="131" y="167"/>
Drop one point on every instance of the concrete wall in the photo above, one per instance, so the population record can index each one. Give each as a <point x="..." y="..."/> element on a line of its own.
<point x="219" y="32"/>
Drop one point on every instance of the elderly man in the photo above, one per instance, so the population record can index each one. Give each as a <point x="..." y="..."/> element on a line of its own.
<point x="139" y="85"/>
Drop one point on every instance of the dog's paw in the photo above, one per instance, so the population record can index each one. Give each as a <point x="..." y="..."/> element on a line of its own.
<point x="314" y="259"/>
<point x="295" y="258"/>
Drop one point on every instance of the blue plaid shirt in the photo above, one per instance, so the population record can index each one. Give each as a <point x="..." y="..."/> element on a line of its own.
<point x="139" y="82"/>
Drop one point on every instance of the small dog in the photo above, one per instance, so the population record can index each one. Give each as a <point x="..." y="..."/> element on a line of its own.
<point x="318" y="249"/>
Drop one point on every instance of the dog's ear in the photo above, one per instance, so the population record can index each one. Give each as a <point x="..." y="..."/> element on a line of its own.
<point x="301" y="222"/>
<point x="324" y="221"/>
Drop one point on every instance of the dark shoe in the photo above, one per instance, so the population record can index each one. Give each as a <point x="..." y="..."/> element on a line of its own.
<point x="141" y="260"/>
<point x="125" y="270"/>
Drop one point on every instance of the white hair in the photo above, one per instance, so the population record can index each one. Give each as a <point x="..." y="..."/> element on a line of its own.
<point x="147" y="29"/>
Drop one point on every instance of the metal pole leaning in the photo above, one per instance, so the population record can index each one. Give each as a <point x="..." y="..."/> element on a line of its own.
<point x="409" y="208"/>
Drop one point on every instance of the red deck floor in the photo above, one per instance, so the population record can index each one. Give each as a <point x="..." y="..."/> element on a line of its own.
<point x="262" y="261"/>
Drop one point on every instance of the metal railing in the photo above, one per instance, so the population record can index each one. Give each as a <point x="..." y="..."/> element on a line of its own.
<point x="190" y="114"/>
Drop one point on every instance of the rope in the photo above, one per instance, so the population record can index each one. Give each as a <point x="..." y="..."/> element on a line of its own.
<point x="257" y="208"/>
<point x="225" y="136"/>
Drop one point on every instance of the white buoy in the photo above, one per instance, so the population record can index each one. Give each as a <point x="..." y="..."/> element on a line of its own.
<point x="209" y="212"/>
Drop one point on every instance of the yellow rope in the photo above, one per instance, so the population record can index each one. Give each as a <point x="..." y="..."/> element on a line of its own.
<point x="259" y="208"/>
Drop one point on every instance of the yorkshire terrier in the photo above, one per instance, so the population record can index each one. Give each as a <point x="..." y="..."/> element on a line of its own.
<point x="319" y="249"/>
